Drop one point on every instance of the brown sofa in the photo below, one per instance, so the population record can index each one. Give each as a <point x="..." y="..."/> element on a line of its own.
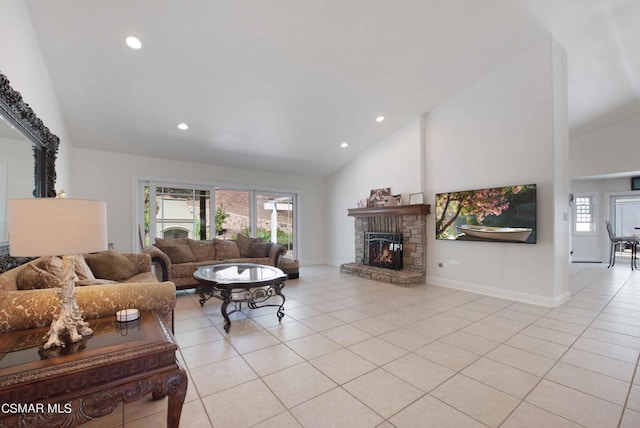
<point x="120" y="280"/>
<point x="179" y="258"/>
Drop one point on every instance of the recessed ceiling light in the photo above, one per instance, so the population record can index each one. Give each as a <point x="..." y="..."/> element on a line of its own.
<point x="133" y="42"/>
<point x="343" y="145"/>
<point x="379" y="118"/>
<point x="183" y="126"/>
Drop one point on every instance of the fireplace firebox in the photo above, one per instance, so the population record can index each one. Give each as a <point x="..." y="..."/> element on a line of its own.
<point x="383" y="250"/>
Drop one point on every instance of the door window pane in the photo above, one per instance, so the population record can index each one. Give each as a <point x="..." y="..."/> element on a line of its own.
<point x="584" y="214"/>
<point x="177" y="213"/>
<point x="232" y="213"/>
<point x="274" y="219"/>
<point x="626" y="215"/>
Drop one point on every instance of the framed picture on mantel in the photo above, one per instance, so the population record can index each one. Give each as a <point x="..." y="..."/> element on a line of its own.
<point x="416" y="198"/>
<point x="378" y="196"/>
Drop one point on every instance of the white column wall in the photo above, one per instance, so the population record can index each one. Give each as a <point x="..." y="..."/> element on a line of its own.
<point x="561" y="183"/>
<point x="506" y="129"/>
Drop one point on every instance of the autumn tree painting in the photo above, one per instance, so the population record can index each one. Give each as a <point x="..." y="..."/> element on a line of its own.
<point x="490" y="207"/>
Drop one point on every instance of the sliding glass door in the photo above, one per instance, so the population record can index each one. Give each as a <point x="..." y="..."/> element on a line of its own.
<point x="266" y="215"/>
<point x="625" y="214"/>
<point x="178" y="210"/>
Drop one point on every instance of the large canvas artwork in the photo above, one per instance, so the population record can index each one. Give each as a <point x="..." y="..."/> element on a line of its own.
<point x="499" y="214"/>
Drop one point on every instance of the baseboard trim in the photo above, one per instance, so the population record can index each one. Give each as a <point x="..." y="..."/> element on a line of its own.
<point x="518" y="296"/>
<point x="314" y="262"/>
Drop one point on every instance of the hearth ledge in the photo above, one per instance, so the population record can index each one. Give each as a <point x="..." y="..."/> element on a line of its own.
<point x="401" y="278"/>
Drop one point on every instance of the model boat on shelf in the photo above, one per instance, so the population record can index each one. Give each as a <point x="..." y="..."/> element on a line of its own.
<point x="518" y="234"/>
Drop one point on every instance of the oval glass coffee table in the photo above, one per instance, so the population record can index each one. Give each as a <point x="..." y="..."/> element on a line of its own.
<point x="238" y="283"/>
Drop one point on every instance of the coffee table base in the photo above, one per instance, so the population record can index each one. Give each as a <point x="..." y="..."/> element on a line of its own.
<point x="254" y="297"/>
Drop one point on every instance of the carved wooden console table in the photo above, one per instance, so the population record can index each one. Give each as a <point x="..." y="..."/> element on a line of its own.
<point x="121" y="362"/>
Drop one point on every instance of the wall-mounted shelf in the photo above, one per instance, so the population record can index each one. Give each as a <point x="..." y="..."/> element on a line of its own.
<point x="418" y="209"/>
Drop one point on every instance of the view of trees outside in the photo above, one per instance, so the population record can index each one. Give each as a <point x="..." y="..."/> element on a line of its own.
<point x="235" y="206"/>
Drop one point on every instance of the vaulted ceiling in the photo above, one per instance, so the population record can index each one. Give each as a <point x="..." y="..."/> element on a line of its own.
<point x="279" y="84"/>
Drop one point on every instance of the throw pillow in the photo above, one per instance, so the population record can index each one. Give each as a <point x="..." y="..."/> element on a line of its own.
<point x="31" y="277"/>
<point x="111" y="265"/>
<point x="179" y="253"/>
<point x="203" y="250"/>
<point x="259" y="249"/>
<point x="82" y="268"/>
<point x="164" y="242"/>
<point x="55" y="266"/>
<point x="244" y="242"/>
<point x="226" y="249"/>
<point x="51" y="264"/>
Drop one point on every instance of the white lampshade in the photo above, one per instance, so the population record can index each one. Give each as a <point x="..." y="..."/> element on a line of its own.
<point x="56" y="226"/>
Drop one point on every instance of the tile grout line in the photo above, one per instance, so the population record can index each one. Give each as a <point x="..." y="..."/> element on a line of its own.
<point x="564" y="353"/>
<point x="305" y="360"/>
<point x="459" y="372"/>
<point x="624" y="408"/>
<point x="486" y="315"/>
<point x="457" y="330"/>
<point x="340" y="386"/>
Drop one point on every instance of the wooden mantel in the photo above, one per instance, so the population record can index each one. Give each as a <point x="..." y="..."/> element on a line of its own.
<point x="417" y="209"/>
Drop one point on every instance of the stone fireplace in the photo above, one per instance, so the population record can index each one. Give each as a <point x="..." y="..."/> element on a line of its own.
<point x="405" y="225"/>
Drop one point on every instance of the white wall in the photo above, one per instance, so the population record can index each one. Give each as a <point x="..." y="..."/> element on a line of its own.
<point x="394" y="162"/>
<point x="24" y="66"/>
<point x="508" y="128"/>
<point x="110" y="177"/>
<point x="612" y="149"/>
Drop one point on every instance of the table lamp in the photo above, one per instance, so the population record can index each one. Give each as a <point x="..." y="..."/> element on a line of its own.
<point x="59" y="227"/>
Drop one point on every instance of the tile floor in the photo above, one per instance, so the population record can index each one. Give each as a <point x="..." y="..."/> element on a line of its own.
<point x="357" y="353"/>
